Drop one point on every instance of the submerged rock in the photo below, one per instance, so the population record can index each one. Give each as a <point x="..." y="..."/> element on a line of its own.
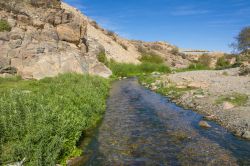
<point x="204" y="124"/>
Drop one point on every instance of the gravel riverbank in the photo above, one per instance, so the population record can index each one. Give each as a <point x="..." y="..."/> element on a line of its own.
<point x="221" y="96"/>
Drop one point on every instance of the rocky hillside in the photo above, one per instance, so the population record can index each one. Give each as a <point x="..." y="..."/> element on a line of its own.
<point x="48" y="37"/>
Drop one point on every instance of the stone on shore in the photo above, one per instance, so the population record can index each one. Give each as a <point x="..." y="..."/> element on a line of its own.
<point x="246" y="135"/>
<point x="228" y="105"/>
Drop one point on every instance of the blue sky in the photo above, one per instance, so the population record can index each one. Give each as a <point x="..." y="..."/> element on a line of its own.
<point x="197" y="24"/>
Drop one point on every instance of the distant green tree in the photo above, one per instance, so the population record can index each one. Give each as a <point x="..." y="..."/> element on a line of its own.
<point x="243" y="40"/>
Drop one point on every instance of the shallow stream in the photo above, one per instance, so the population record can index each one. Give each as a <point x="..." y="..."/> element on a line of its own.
<point x="143" y="128"/>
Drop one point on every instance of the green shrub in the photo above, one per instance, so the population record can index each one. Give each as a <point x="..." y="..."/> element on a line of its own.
<point x="4" y="26"/>
<point x="125" y="70"/>
<point x="198" y="66"/>
<point x="205" y="60"/>
<point x="151" y="58"/>
<point x="147" y="67"/>
<point x="193" y="67"/>
<point x="43" y="120"/>
<point x="102" y="58"/>
<point x="222" y="63"/>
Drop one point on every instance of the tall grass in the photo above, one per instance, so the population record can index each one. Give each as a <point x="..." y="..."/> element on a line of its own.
<point x="43" y="120"/>
<point x="125" y="70"/>
<point x="193" y="67"/>
<point x="151" y="58"/>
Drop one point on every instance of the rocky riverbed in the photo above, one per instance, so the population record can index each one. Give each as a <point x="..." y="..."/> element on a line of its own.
<point x="141" y="127"/>
<point x="221" y="96"/>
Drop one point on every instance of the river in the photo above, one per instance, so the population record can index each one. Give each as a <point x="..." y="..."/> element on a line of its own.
<point x="143" y="128"/>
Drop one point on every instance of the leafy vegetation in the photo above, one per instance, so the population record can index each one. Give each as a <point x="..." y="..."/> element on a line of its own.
<point x="193" y="67"/>
<point x="243" y="40"/>
<point x="4" y="26"/>
<point x="205" y="60"/>
<point x="125" y="70"/>
<point x="102" y="58"/>
<point x="223" y="63"/>
<point x="235" y="98"/>
<point x="43" y="120"/>
<point x="151" y="58"/>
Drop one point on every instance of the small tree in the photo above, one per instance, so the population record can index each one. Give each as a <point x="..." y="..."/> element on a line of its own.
<point x="243" y="40"/>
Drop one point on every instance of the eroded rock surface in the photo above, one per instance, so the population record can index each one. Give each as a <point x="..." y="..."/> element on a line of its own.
<point x="45" y="39"/>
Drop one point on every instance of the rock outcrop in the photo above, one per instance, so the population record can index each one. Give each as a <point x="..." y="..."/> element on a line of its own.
<point x="48" y="37"/>
<point x="45" y="39"/>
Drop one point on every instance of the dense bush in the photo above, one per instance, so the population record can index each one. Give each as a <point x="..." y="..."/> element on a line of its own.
<point x="151" y="58"/>
<point x="4" y="26"/>
<point x="124" y="70"/>
<point x="193" y="67"/>
<point x="43" y="120"/>
<point x="223" y="63"/>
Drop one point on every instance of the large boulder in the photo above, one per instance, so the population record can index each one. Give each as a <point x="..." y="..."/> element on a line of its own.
<point x="69" y="33"/>
<point x="52" y="65"/>
<point x="101" y="70"/>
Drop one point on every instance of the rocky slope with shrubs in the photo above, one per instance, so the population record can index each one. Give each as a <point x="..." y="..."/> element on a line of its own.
<point x="44" y="38"/>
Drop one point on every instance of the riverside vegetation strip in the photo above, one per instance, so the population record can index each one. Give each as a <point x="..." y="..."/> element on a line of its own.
<point x="149" y="63"/>
<point x="43" y="120"/>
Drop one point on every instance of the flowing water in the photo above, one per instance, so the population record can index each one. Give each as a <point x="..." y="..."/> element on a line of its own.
<point x="141" y="127"/>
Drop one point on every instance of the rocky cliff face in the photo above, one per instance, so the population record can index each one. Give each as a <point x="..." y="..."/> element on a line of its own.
<point x="48" y="37"/>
